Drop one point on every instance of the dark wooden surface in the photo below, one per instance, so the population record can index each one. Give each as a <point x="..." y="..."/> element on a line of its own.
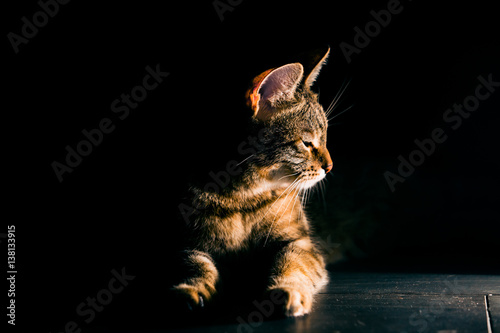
<point x="382" y="302"/>
<point x="494" y="312"/>
<point x="411" y="283"/>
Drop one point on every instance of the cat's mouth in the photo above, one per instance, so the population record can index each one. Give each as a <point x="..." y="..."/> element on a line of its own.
<point x="310" y="178"/>
<point x="301" y="180"/>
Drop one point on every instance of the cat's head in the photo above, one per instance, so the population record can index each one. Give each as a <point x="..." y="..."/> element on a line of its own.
<point x="291" y="124"/>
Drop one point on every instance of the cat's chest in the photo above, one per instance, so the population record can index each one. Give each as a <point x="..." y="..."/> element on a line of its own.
<point x="282" y="219"/>
<point x="224" y="233"/>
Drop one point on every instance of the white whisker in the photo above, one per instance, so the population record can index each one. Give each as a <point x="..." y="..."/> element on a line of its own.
<point x="337" y="98"/>
<point x="293" y="174"/>
<point x="329" y="109"/>
<point x="322" y="191"/>
<point x="275" y="201"/>
<point x="246" y="159"/>
<point x="274" y="219"/>
<point x="302" y="200"/>
<point x="293" y="206"/>
<point x="338" y="114"/>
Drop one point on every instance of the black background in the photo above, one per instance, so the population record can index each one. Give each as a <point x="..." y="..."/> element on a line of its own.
<point x="118" y="208"/>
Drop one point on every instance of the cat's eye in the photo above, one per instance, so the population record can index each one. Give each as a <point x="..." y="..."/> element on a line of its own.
<point x="308" y="144"/>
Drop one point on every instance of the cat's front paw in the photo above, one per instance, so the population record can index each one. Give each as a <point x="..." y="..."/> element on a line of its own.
<point x="295" y="302"/>
<point x="189" y="297"/>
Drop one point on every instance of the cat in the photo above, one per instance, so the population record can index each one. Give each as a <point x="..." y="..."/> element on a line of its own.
<point x="260" y="213"/>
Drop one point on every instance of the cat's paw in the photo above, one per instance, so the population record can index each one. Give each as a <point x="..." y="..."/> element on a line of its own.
<point x="295" y="302"/>
<point x="189" y="297"/>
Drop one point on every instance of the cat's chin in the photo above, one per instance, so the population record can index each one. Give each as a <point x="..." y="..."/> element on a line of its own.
<point x="304" y="181"/>
<point x="306" y="184"/>
<point x="309" y="180"/>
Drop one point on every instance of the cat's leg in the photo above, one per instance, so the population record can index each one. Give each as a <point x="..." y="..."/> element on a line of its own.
<point x="298" y="273"/>
<point x="199" y="286"/>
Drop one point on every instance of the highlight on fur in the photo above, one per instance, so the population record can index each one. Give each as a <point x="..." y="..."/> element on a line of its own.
<point x="262" y="209"/>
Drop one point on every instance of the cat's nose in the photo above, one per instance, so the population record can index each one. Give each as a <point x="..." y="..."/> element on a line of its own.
<point x="328" y="167"/>
<point x="327" y="163"/>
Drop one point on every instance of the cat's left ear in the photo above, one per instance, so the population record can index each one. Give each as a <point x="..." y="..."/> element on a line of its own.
<point x="272" y="87"/>
<point x="315" y="60"/>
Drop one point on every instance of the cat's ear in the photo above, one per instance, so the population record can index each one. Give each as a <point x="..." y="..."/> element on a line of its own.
<point x="315" y="61"/>
<point x="271" y="87"/>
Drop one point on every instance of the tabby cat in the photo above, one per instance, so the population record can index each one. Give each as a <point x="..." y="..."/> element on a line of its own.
<point x="262" y="208"/>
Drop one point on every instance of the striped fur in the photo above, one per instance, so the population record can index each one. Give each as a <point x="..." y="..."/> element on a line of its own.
<point x="263" y="207"/>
